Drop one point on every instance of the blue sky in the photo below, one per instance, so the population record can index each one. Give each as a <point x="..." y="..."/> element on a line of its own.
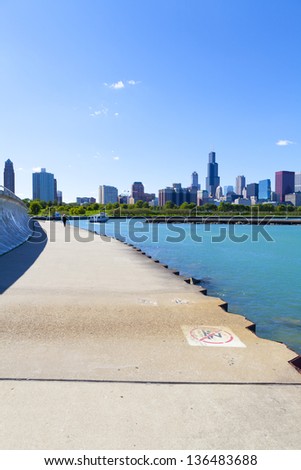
<point x="117" y="91"/>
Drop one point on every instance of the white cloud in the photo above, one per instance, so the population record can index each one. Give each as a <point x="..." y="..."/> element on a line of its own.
<point x="116" y="158"/>
<point x="37" y="169"/>
<point x="116" y="114"/>
<point x="117" y="86"/>
<point x="120" y="84"/>
<point x="133" y="82"/>
<point x="283" y="143"/>
<point x="99" y="112"/>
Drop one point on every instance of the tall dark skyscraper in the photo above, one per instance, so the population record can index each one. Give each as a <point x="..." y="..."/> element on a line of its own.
<point x="212" y="180"/>
<point x="9" y="176"/>
<point x="195" y="180"/>
<point x="252" y="190"/>
<point x="138" y="191"/>
<point x="284" y="184"/>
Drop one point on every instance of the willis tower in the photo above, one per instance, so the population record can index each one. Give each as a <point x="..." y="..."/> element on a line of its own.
<point x="212" y="179"/>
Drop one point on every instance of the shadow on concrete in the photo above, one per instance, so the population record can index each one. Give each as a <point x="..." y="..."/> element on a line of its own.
<point x="16" y="262"/>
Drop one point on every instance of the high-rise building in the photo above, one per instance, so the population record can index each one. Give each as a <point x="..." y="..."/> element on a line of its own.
<point x="240" y="184"/>
<point x="195" y="180"/>
<point x="166" y="195"/>
<point x="297" y="182"/>
<point x="212" y="179"/>
<point x="284" y="184"/>
<point x="193" y="194"/>
<point x="108" y="194"/>
<point x="55" y="189"/>
<point x="177" y="195"/>
<point x="264" y="190"/>
<point x="43" y="186"/>
<point x="228" y="189"/>
<point x="219" y="192"/>
<point x="137" y="191"/>
<point x="202" y="197"/>
<point x="294" y="199"/>
<point x="59" y="197"/>
<point x="85" y="200"/>
<point x="252" y="190"/>
<point x="9" y="176"/>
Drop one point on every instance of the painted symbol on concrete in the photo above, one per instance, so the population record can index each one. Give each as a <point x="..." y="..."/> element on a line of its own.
<point x="147" y="302"/>
<point x="181" y="301"/>
<point x="211" y="336"/>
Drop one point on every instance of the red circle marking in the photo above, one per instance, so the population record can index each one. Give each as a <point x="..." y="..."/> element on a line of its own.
<point x="207" y="338"/>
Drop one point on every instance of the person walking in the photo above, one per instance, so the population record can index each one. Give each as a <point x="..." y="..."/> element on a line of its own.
<point x="64" y="219"/>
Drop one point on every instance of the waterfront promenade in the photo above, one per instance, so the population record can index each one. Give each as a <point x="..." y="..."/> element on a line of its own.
<point x="102" y="348"/>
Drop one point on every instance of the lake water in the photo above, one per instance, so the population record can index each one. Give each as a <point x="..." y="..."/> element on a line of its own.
<point x="255" y="269"/>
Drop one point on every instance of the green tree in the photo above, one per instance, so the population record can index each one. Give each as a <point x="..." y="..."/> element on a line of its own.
<point x="35" y="207"/>
<point x="26" y="202"/>
<point x="43" y="204"/>
<point x="225" y="207"/>
<point x="139" y="204"/>
<point x="281" y="208"/>
<point x="209" y="207"/>
<point x="266" y="208"/>
<point x="169" y="205"/>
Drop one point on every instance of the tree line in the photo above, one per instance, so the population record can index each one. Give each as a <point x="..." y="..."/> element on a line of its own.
<point x="140" y="208"/>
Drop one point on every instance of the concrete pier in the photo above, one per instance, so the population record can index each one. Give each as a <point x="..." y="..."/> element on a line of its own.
<point x="102" y="348"/>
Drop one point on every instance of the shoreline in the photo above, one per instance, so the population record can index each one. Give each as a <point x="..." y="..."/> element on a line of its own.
<point x="241" y="220"/>
<point x="295" y="362"/>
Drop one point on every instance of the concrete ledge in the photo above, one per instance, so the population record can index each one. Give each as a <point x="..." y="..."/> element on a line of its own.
<point x="14" y="222"/>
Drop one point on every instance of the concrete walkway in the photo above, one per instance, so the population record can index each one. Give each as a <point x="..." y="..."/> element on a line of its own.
<point x="102" y="348"/>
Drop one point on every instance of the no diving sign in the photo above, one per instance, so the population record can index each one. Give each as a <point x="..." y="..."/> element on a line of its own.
<point x="211" y="336"/>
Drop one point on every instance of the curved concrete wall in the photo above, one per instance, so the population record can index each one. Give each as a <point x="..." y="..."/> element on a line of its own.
<point x="14" y="221"/>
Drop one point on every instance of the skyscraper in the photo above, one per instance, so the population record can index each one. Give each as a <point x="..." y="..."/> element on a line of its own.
<point x="212" y="179"/>
<point x="9" y="176"/>
<point x="284" y="184"/>
<point x="252" y="190"/>
<point x="219" y="192"/>
<point x="228" y="189"/>
<point x="137" y="191"/>
<point x="59" y="197"/>
<point x="43" y="186"/>
<point x="240" y="184"/>
<point x="297" y="182"/>
<point x="108" y="194"/>
<point x="166" y="195"/>
<point x="264" y="190"/>
<point x="195" y="180"/>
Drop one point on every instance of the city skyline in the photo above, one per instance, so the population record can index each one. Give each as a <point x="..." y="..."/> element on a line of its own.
<point x="242" y="183"/>
<point x="89" y="91"/>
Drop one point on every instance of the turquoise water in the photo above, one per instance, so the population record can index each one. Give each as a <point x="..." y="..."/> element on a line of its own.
<point x="255" y="269"/>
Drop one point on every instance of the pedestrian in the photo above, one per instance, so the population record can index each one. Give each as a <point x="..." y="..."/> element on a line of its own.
<point x="64" y="219"/>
